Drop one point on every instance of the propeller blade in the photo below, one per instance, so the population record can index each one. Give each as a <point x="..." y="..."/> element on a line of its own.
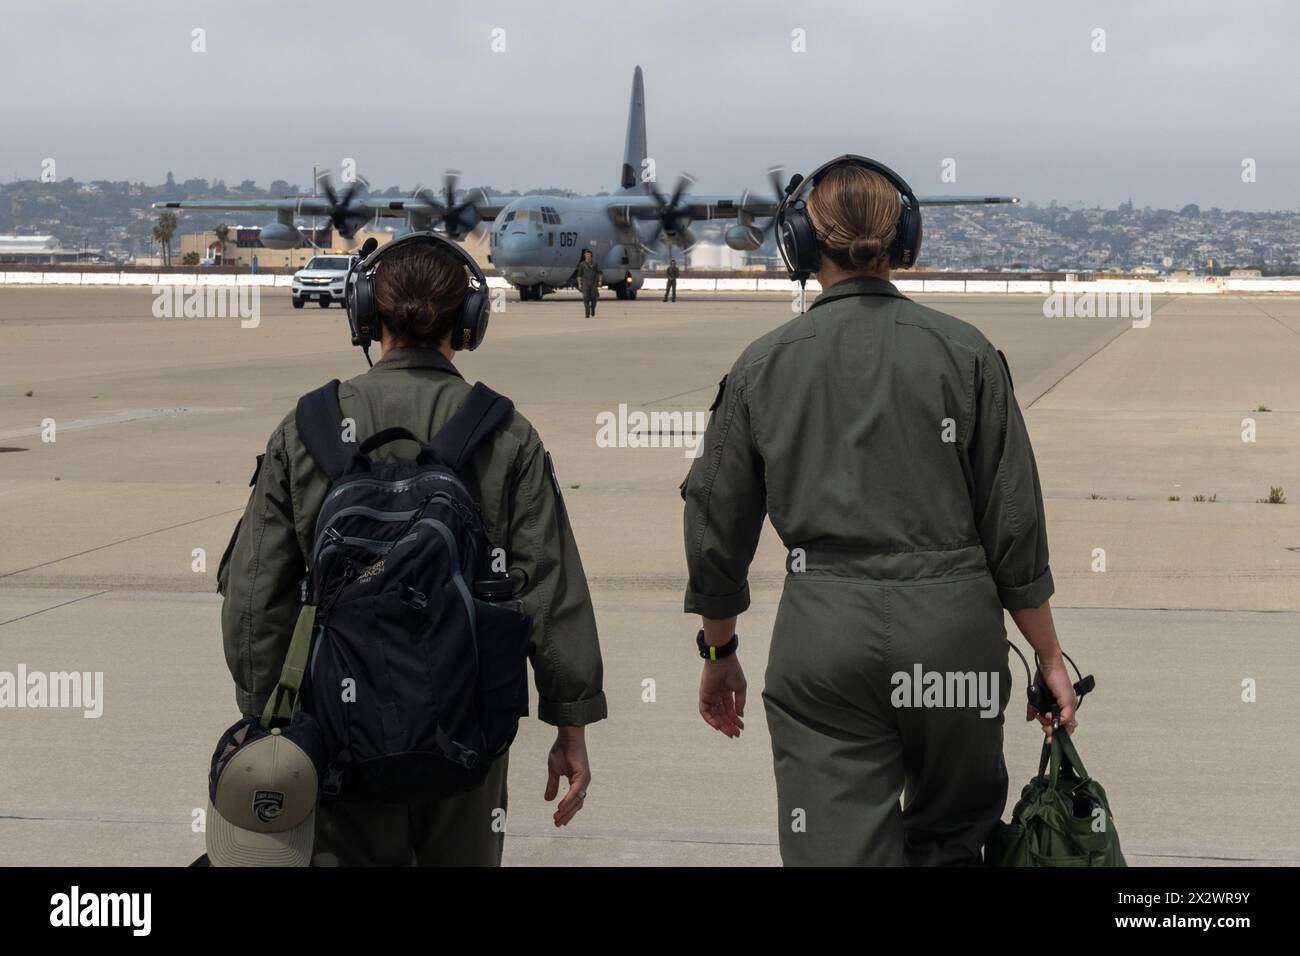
<point x="774" y="176"/>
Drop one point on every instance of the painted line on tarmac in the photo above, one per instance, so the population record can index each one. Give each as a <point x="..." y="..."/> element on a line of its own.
<point x="122" y="416"/>
<point x="54" y="607"/>
<point x="1270" y="315"/>
<point x="111" y="544"/>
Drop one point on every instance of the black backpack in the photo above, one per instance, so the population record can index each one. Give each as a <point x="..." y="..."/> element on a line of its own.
<point x="409" y="653"/>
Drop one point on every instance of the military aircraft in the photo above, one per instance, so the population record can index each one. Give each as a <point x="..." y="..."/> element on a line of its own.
<point x="535" y="242"/>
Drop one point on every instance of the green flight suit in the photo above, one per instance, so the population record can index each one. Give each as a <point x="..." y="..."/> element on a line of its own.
<point x="671" y="285"/>
<point x="883" y="441"/>
<point x="589" y="279"/>
<point x="512" y="478"/>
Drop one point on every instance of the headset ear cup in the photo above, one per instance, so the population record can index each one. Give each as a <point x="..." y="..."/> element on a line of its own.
<point x="915" y="242"/>
<point x="471" y="327"/>
<point x="907" y="242"/>
<point x="361" y="311"/>
<point x="906" y="245"/>
<point x="799" y="240"/>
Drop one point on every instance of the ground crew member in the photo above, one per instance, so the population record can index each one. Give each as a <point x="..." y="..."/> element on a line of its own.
<point x="884" y="442"/>
<point x="416" y="386"/>
<point x="589" y="282"/>
<point x="672" y="272"/>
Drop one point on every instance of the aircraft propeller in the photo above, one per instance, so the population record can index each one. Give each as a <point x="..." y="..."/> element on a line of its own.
<point x="674" y="219"/>
<point x="345" y="217"/>
<point x="748" y="208"/>
<point x="458" y="219"/>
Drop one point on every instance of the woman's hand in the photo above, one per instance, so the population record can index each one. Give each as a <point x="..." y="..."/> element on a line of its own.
<point x="722" y="695"/>
<point x="568" y="758"/>
<point x="1057" y="679"/>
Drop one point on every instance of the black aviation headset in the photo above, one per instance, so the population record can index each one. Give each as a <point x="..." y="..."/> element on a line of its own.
<point x="797" y="239"/>
<point x="363" y="317"/>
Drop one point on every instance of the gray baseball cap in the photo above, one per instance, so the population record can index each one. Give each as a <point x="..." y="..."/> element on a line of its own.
<point x="262" y="793"/>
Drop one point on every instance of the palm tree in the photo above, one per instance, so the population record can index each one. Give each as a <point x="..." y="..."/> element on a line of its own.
<point x="222" y="232"/>
<point x="162" y="234"/>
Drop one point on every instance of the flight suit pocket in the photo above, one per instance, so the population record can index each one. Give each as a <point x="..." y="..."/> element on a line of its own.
<point x="223" y="569"/>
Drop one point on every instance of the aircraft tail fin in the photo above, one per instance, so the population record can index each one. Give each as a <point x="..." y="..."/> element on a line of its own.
<point x="634" y="152"/>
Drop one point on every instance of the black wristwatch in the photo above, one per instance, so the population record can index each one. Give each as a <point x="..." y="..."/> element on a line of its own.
<point x="716" y="652"/>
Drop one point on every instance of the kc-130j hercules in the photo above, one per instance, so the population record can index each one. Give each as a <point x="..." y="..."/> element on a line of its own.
<point x="536" y="241"/>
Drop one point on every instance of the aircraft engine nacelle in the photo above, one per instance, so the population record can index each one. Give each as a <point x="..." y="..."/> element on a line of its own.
<point x="278" y="235"/>
<point x="744" y="238"/>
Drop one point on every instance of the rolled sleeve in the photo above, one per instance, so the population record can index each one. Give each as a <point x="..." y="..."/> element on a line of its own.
<point x="1033" y="594"/>
<point x="726" y="501"/>
<point x="573" y="713"/>
<point x="1007" y="496"/>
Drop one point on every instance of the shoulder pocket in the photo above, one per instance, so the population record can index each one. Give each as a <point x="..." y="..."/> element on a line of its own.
<point x="717" y="399"/>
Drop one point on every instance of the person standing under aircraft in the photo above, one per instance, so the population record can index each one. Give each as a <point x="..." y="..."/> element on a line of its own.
<point x="883" y="440"/>
<point x="672" y="273"/>
<point x="589" y="278"/>
<point x="419" y="293"/>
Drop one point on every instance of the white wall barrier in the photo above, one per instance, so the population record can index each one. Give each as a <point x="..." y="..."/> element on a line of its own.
<point x="1130" y="286"/>
<point x="1198" y="287"/>
<point x="1212" y="286"/>
<point x="1263" y="285"/>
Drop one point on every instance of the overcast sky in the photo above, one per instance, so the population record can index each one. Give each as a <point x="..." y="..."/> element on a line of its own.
<point x="1011" y="90"/>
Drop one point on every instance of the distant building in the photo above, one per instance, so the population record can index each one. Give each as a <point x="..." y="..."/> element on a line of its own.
<point x="33" y="249"/>
<point x="714" y="255"/>
<point x="245" y="243"/>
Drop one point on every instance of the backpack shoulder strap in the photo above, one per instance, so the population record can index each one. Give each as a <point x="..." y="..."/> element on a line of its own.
<point x="319" y="420"/>
<point x="483" y="412"/>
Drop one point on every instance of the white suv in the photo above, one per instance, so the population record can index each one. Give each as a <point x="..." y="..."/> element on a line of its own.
<point x="324" y="278"/>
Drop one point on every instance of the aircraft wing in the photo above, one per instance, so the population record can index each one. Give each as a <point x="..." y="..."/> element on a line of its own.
<point x="366" y="207"/>
<point x="623" y="210"/>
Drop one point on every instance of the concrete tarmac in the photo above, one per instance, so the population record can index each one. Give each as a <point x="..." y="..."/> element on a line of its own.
<point x="158" y="422"/>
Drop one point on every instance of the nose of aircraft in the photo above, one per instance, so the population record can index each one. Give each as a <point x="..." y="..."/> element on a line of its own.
<point x="515" y="244"/>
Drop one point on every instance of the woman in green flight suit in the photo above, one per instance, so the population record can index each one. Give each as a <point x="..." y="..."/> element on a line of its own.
<point x="884" y="442"/>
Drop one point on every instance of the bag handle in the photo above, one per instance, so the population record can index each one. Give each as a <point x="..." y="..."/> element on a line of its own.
<point x="285" y="699"/>
<point x="361" y="460"/>
<point x="1061" y="748"/>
